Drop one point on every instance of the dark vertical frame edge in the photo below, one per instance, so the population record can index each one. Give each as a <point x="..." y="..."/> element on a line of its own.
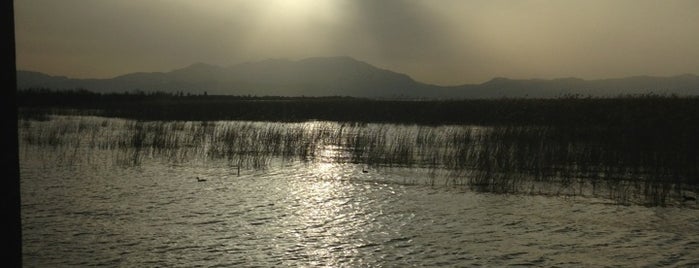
<point x="10" y="160"/>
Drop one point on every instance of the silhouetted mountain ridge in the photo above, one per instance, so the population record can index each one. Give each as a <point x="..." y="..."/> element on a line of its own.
<point x="345" y="76"/>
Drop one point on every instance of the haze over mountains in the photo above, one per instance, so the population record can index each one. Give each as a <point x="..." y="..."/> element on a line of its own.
<point x="345" y="76"/>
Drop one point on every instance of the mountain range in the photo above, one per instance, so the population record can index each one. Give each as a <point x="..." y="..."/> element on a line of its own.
<point x="345" y="76"/>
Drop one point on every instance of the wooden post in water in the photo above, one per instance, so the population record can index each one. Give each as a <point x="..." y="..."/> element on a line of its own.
<point x="240" y="161"/>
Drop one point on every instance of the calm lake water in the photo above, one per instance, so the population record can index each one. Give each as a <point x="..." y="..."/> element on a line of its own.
<point x="86" y="203"/>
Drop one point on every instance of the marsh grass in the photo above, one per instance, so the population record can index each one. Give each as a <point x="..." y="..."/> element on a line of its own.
<point x="626" y="165"/>
<point x="631" y="149"/>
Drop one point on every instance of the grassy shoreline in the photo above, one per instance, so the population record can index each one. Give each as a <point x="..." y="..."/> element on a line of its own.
<point x="641" y="111"/>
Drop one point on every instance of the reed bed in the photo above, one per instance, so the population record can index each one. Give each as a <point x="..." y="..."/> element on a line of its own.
<point x="622" y="164"/>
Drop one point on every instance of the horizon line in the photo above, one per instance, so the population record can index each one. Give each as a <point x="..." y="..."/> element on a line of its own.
<point x="493" y="78"/>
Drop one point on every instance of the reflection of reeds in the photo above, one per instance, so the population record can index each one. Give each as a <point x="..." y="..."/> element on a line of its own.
<point x="621" y="162"/>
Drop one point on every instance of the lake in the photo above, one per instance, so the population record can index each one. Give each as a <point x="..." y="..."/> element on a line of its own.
<point x="112" y="192"/>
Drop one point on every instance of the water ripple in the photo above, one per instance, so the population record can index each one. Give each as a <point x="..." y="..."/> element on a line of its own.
<point x="327" y="215"/>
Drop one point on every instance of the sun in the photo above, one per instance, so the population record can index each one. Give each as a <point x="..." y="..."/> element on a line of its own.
<point x="295" y="10"/>
<point x="294" y="6"/>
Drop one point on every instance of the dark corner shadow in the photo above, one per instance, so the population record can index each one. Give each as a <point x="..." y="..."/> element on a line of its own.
<point x="12" y="238"/>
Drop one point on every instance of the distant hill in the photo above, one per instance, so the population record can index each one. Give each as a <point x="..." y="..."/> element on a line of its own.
<point x="345" y="76"/>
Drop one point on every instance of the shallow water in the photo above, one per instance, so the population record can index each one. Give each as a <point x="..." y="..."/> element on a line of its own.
<point x="84" y="207"/>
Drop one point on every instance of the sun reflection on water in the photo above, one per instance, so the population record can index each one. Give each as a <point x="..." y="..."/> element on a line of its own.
<point x="328" y="216"/>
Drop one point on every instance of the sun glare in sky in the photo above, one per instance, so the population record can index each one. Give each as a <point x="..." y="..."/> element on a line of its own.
<point x="445" y="42"/>
<point x="299" y="11"/>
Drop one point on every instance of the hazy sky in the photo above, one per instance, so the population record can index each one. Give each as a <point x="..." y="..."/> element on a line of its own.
<point x="444" y="42"/>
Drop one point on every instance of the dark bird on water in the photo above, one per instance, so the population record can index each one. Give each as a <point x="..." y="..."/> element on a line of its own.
<point x="200" y="179"/>
<point x="364" y="170"/>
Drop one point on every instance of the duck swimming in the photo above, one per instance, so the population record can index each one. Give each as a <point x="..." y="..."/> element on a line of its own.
<point x="200" y="179"/>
